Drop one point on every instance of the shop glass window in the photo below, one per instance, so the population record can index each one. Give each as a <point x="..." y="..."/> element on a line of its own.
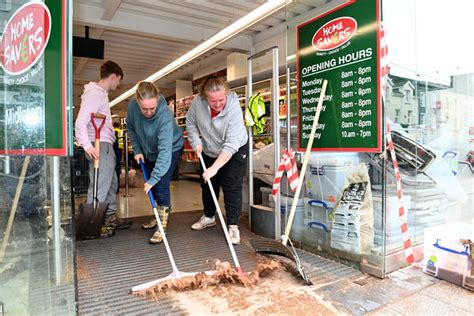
<point x="36" y="245"/>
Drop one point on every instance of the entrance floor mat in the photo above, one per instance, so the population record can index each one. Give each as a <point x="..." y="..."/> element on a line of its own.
<point x="108" y="268"/>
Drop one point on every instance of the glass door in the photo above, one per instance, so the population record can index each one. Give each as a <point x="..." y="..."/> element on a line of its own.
<point x="37" y="271"/>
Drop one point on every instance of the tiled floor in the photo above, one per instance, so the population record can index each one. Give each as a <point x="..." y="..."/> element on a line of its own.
<point x="185" y="197"/>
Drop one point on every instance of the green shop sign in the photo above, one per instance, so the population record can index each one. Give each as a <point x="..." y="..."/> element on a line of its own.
<point x="34" y="67"/>
<point x="341" y="46"/>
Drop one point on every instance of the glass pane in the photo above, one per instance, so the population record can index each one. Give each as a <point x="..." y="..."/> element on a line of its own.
<point x="36" y="251"/>
<point x="430" y="107"/>
<point x="330" y="174"/>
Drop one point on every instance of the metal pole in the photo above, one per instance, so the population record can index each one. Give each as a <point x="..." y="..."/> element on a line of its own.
<point x="125" y="133"/>
<point x="288" y="109"/>
<point x="288" y="138"/>
<point x="250" y="132"/>
<point x="127" y="193"/>
<point x="276" y="128"/>
<point x="57" y="220"/>
<point x="276" y="133"/>
<point x="7" y="164"/>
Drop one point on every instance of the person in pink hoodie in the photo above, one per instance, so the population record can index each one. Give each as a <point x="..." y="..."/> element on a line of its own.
<point x="95" y="99"/>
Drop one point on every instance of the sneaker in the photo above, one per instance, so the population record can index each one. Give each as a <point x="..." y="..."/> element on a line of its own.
<point x="204" y="222"/>
<point x="156" y="238"/>
<point x="234" y="234"/>
<point x="151" y="224"/>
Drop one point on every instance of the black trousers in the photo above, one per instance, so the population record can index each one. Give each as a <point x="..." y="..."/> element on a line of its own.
<point x="229" y="178"/>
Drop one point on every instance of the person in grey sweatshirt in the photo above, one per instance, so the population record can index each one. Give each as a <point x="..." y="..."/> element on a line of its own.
<point x="216" y="116"/>
<point x="158" y="142"/>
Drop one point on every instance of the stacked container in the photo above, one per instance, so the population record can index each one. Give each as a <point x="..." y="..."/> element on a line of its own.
<point x="324" y="181"/>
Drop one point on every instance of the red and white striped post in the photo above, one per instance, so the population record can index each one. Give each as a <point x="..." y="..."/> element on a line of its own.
<point x="401" y="205"/>
<point x="288" y="163"/>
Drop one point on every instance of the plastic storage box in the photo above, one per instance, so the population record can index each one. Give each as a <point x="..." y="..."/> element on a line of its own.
<point x="317" y="223"/>
<point x="326" y="176"/>
<point x="445" y="257"/>
<point x="297" y="229"/>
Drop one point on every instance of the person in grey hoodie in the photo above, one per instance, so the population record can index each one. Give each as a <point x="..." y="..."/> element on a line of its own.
<point x="158" y="142"/>
<point x="216" y="115"/>
<point x="95" y="99"/>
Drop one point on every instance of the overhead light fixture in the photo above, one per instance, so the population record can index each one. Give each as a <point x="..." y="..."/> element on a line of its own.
<point x="263" y="11"/>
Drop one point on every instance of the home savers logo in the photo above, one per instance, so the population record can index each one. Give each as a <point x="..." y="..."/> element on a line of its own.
<point x="25" y="38"/>
<point x="334" y="33"/>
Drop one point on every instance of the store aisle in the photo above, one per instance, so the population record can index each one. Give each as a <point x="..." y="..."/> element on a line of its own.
<point x="185" y="197"/>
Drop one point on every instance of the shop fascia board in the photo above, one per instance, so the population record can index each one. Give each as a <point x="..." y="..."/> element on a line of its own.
<point x="141" y="25"/>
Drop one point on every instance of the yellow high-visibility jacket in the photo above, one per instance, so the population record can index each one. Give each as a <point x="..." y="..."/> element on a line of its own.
<point x="254" y="114"/>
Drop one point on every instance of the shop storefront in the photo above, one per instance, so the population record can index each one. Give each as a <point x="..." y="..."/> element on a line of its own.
<point x="388" y="75"/>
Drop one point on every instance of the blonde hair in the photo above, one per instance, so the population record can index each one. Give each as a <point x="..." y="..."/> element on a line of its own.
<point x="146" y="90"/>
<point x="213" y="84"/>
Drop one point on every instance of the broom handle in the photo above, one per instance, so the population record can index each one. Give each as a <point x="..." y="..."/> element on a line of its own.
<point x="16" y="199"/>
<point x="158" y="221"/>
<point x="221" y="218"/>
<point x="284" y="238"/>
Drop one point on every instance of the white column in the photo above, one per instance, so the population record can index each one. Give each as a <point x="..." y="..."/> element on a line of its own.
<point x="236" y="66"/>
<point x="183" y="88"/>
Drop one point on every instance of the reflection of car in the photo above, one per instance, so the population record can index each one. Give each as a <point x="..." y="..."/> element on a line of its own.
<point x="412" y="157"/>
<point x="470" y="158"/>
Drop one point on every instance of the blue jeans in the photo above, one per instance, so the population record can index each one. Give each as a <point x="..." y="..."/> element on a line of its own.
<point x="161" y="191"/>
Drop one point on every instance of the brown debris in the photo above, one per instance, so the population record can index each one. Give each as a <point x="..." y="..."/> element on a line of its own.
<point x="223" y="274"/>
<point x="82" y="272"/>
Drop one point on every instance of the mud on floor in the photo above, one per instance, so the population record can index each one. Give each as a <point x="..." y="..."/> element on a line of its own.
<point x="270" y="289"/>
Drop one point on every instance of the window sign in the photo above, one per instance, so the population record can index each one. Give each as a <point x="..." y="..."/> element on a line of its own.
<point x="33" y="68"/>
<point x="342" y="47"/>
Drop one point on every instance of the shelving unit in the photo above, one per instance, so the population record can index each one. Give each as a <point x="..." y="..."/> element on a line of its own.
<point x="189" y="164"/>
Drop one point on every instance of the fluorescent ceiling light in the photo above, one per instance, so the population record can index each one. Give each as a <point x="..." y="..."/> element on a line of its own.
<point x="263" y="11"/>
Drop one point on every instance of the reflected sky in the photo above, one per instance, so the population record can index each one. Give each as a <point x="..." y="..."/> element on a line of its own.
<point x="429" y="37"/>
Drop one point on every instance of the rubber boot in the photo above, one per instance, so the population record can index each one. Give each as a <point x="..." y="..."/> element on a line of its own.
<point x="163" y="212"/>
<point x="152" y="223"/>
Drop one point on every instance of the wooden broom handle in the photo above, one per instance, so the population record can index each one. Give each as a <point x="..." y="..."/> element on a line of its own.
<point x="284" y="238"/>
<point x="16" y="199"/>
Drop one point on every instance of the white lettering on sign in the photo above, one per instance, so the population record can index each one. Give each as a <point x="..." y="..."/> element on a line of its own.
<point x="30" y="115"/>
<point x="20" y="27"/>
<point x="25" y="37"/>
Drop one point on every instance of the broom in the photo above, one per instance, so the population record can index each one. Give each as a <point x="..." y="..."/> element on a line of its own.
<point x="223" y="272"/>
<point x="242" y="274"/>
<point x="177" y="279"/>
